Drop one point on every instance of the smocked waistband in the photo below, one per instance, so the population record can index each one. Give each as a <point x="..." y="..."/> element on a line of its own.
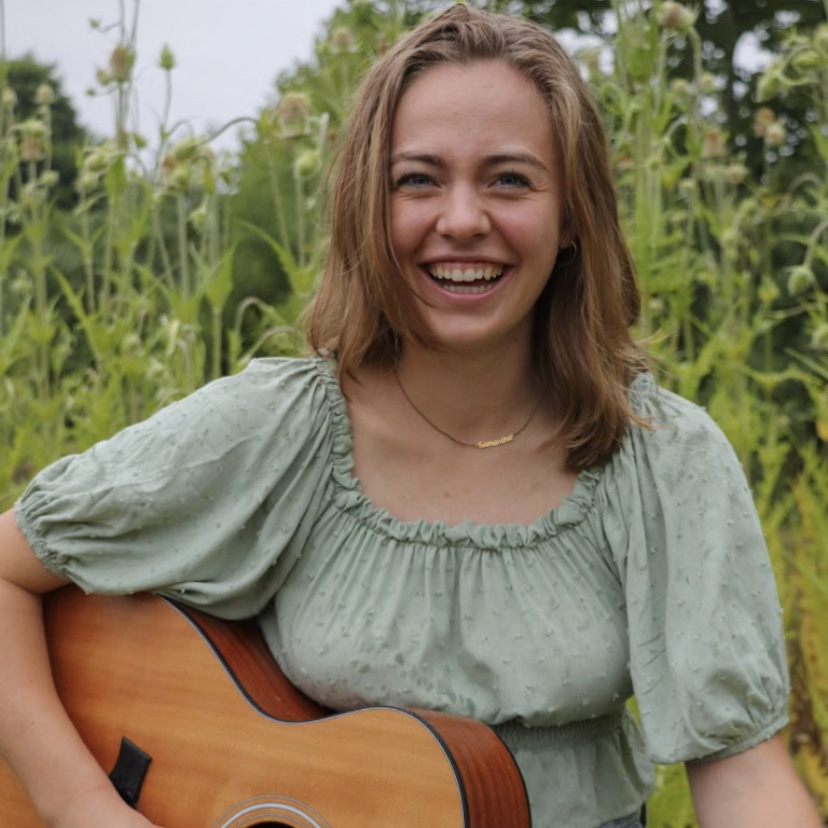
<point x="516" y="734"/>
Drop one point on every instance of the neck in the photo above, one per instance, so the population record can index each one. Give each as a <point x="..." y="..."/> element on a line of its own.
<point x="473" y="396"/>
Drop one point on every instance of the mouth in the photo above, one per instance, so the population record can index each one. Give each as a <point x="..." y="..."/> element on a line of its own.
<point x="465" y="277"/>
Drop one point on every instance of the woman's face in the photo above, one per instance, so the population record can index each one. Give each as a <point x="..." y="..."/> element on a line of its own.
<point x="476" y="202"/>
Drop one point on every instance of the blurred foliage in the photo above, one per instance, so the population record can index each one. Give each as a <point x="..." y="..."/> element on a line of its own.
<point x="37" y="91"/>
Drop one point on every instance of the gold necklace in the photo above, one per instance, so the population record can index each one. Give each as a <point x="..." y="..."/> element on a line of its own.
<point x="482" y="444"/>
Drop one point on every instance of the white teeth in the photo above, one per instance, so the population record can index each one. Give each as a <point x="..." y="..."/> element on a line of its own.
<point x="465" y="274"/>
<point x="465" y="288"/>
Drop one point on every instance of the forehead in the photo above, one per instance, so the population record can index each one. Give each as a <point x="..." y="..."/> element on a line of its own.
<point x="464" y="107"/>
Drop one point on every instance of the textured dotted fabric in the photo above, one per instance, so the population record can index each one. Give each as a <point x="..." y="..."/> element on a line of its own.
<point x="651" y="578"/>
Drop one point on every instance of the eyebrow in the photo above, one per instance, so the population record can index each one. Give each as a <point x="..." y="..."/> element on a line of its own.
<point x="488" y="161"/>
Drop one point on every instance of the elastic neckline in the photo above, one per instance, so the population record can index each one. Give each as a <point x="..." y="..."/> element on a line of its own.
<point x="350" y="498"/>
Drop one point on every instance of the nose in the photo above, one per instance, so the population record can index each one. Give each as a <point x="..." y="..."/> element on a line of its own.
<point x="463" y="213"/>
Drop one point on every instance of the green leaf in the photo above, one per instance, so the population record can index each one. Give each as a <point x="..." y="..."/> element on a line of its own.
<point x="86" y="322"/>
<point x="301" y="279"/>
<point x="9" y="352"/>
<point x="218" y="283"/>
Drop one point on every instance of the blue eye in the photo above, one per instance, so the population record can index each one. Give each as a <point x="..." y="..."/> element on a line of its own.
<point x="512" y="180"/>
<point x="415" y="180"/>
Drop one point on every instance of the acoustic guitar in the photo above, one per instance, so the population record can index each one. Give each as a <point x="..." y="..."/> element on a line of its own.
<point x="200" y="729"/>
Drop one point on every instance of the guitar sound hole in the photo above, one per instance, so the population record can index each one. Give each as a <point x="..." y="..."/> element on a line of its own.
<point x="270" y="825"/>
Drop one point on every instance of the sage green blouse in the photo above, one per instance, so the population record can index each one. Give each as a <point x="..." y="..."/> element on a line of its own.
<point x="651" y="578"/>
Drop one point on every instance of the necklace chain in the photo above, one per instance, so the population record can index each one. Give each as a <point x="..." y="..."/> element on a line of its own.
<point x="482" y="444"/>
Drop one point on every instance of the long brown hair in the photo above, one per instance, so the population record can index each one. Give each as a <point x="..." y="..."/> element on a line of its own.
<point x="583" y="350"/>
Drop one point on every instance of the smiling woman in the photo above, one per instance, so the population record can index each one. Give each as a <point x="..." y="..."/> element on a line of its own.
<point x="582" y="347"/>
<point x="472" y="498"/>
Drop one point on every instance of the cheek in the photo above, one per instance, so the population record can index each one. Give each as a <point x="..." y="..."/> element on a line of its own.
<point x="536" y="237"/>
<point x="398" y="225"/>
<point x="538" y="232"/>
<point x="408" y="225"/>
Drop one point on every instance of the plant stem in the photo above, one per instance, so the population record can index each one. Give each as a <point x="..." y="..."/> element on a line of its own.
<point x="183" y="264"/>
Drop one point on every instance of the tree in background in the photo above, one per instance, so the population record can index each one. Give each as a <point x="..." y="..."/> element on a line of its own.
<point x="737" y="38"/>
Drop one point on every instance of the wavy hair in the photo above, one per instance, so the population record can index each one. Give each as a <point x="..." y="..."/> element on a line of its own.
<point x="583" y="350"/>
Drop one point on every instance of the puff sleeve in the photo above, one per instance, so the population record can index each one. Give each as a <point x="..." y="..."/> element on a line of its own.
<point x="707" y="655"/>
<point x="208" y="501"/>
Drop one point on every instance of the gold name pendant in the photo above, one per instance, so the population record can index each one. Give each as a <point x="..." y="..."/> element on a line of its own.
<point x="492" y="443"/>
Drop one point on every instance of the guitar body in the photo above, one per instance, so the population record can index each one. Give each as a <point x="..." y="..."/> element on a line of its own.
<point x="234" y="745"/>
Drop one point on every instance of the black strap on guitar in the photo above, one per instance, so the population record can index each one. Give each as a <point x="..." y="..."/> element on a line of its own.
<point x="129" y="771"/>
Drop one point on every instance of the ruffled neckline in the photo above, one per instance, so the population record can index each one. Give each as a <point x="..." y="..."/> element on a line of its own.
<point x="350" y="498"/>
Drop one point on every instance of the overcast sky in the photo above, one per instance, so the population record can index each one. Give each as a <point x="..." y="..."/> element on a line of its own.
<point x="227" y="52"/>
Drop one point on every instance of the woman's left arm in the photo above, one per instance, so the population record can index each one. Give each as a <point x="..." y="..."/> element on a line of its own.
<point x="755" y="789"/>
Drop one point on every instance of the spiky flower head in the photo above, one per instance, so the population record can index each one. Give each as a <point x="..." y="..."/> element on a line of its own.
<point x="49" y="178"/>
<point x="306" y="163"/>
<point x="31" y="148"/>
<point x="775" y="134"/>
<point x="185" y="150"/>
<point x="98" y="159"/>
<point x="680" y="87"/>
<point x="342" y="40"/>
<point x="292" y="113"/>
<point x="762" y="119"/>
<point x="713" y="143"/>
<point x="198" y="217"/>
<point x="772" y="82"/>
<point x="676" y="17"/>
<point x="167" y="59"/>
<point x="45" y="95"/>
<point x="707" y="83"/>
<point x="800" y="278"/>
<point x="768" y="291"/>
<point x="33" y="128"/>
<point x="180" y="178"/>
<point x="9" y="98"/>
<point x="121" y="62"/>
<point x="88" y="181"/>
<point x="182" y="163"/>
<point x="687" y="188"/>
<point x="33" y="136"/>
<point x="735" y="173"/>
<point x="33" y="196"/>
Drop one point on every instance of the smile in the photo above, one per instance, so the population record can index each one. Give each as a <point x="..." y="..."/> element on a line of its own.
<point x="456" y="277"/>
